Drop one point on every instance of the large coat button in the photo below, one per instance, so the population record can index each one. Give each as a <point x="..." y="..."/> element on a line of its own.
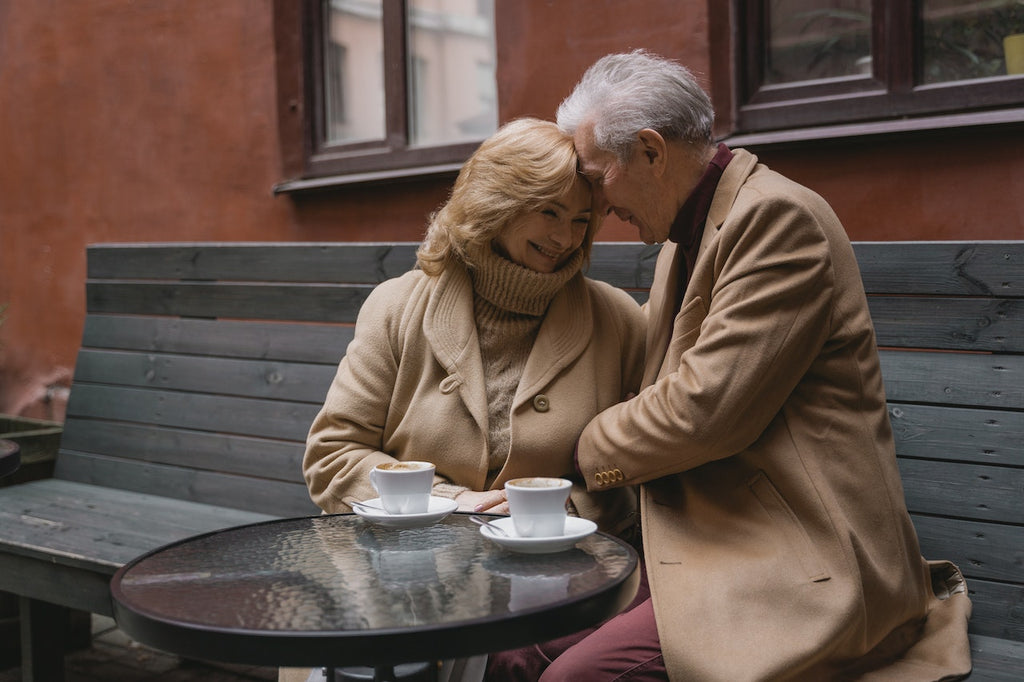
<point x="541" y="403"/>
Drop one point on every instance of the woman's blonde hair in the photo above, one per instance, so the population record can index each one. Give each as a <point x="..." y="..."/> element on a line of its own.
<point x="525" y="165"/>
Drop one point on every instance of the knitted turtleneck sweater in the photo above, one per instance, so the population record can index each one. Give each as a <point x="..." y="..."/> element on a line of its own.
<point x="509" y="303"/>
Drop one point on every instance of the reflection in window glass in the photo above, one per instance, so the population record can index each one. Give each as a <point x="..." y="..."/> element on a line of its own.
<point x="966" y="39"/>
<point x="452" y="91"/>
<point x="812" y="39"/>
<point x="353" y="71"/>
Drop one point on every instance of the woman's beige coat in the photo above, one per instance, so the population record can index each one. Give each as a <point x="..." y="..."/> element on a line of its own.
<point x="411" y="386"/>
<point x="777" y="540"/>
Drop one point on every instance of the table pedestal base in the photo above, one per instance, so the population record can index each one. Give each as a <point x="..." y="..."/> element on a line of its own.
<point x="404" y="672"/>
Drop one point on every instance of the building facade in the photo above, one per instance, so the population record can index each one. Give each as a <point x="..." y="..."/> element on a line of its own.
<point x="239" y="121"/>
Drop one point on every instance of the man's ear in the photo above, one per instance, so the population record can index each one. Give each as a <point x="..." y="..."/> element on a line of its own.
<point x="653" y="147"/>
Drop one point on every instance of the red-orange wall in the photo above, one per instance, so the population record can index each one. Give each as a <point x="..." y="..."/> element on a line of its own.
<point x="159" y="121"/>
<point x="947" y="185"/>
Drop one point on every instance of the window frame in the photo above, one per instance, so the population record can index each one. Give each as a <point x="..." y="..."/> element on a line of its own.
<point x="389" y="158"/>
<point x="889" y="93"/>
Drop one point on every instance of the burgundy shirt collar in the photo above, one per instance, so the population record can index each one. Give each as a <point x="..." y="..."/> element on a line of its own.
<point x="689" y="222"/>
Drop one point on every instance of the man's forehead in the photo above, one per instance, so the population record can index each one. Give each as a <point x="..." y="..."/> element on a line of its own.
<point x="592" y="160"/>
<point x="589" y="167"/>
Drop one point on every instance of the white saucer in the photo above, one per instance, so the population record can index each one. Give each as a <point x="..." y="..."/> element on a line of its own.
<point x="575" y="530"/>
<point x="437" y="509"/>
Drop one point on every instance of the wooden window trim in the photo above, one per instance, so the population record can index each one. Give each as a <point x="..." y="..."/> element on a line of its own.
<point x="321" y="166"/>
<point x="887" y="100"/>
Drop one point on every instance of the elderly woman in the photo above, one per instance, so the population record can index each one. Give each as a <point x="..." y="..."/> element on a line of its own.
<point x="491" y="356"/>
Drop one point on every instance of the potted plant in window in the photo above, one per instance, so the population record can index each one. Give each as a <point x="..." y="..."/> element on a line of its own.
<point x="1013" y="41"/>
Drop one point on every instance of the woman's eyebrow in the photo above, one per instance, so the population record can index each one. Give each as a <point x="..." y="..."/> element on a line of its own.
<point x="559" y="204"/>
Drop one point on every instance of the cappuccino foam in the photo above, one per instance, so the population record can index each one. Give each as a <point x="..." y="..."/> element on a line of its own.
<point x="403" y="466"/>
<point x="538" y="482"/>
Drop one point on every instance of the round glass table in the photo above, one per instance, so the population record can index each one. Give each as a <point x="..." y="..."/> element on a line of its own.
<point x="338" y="591"/>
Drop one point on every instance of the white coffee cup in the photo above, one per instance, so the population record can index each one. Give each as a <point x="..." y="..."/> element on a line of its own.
<point x="403" y="487"/>
<point x="537" y="505"/>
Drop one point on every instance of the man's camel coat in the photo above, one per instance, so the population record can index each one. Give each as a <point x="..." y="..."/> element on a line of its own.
<point x="777" y="540"/>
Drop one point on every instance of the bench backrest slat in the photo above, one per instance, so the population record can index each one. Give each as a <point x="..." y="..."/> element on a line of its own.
<point x="203" y="411"/>
<point x="954" y="489"/>
<point x="213" y="487"/>
<point x="261" y="457"/>
<point x="978" y="379"/>
<point x="991" y="268"/>
<point x="227" y="338"/>
<point x="253" y="300"/>
<point x="988" y="437"/>
<point x="977" y="324"/>
<point x="240" y="377"/>
<point x="362" y="263"/>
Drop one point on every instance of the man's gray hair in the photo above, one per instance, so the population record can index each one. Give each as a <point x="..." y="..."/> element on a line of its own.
<point x="624" y="93"/>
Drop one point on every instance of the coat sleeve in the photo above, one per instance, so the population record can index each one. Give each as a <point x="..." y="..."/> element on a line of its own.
<point x="630" y="321"/>
<point x="737" y="353"/>
<point x="345" y="439"/>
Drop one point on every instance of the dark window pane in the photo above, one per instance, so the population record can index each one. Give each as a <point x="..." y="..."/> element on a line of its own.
<point x="815" y="39"/>
<point x="965" y="40"/>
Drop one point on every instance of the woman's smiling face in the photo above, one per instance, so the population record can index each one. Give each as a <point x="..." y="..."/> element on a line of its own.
<point x="544" y="239"/>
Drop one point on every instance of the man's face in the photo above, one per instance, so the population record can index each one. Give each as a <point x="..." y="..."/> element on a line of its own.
<point x="633" y="190"/>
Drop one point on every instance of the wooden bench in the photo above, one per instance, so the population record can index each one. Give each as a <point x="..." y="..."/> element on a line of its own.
<point x="202" y="366"/>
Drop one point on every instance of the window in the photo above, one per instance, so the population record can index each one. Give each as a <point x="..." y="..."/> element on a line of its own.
<point x="811" y="62"/>
<point x="396" y="87"/>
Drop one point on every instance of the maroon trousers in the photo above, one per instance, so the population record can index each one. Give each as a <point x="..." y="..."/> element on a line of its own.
<point x="626" y="647"/>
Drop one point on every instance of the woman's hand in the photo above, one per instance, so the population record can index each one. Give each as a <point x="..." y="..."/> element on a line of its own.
<point x="488" y="501"/>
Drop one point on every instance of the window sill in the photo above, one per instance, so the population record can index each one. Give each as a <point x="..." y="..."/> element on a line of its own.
<point x="849" y="131"/>
<point x="329" y="182"/>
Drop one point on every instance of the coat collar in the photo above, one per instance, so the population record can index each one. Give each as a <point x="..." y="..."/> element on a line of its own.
<point x="733" y="178"/>
<point x="450" y="329"/>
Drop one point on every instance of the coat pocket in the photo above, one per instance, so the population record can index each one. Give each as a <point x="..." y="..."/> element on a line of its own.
<point x="788" y="525"/>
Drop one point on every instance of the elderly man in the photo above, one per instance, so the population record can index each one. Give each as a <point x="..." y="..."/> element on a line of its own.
<point x="776" y="538"/>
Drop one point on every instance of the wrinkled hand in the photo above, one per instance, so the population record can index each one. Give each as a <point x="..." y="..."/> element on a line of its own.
<point x="489" y="501"/>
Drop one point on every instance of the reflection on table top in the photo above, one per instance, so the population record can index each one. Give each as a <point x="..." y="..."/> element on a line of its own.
<point x="339" y="590"/>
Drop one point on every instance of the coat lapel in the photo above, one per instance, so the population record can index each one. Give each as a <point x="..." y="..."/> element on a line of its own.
<point x="562" y="337"/>
<point x="735" y="174"/>
<point x="670" y="266"/>
<point x="449" y="325"/>
<point x="661" y="309"/>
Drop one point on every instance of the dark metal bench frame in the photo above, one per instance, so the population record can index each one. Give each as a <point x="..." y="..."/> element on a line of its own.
<point x="203" y="364"/>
